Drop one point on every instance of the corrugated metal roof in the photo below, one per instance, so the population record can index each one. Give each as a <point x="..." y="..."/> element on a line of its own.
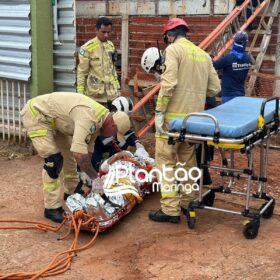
<point x="15" y="40"/>
<point x="64" y="53"/>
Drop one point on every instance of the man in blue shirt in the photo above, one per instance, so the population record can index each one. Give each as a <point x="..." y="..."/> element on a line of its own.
<point x="235" y="67"/>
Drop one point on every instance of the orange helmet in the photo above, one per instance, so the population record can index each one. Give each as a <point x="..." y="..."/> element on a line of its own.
<point x="173" y="23"/>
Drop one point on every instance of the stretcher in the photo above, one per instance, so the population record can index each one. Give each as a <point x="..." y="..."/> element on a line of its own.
<point x="240" y="124"/>
<point x="120" y="191"/>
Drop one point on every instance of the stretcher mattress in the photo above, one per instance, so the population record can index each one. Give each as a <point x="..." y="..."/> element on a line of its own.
<point x="236" y="118"/>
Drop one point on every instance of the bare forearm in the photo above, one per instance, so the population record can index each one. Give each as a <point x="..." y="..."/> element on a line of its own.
<point x="84" y="162"/>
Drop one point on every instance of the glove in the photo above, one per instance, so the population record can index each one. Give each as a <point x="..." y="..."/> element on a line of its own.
<point x="140" y="151"/>
<point x="85" y="179"/>
<point x="97" y="185"/>
<point x="159" y="120"/>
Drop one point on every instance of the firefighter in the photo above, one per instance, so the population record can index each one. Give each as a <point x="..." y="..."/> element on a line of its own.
<point x="63" y="127"/>
<point x="187" y="78"/>
<point x="152" y="61"/>
<point x="96" y="73"/>
<point x="109" y="144"/>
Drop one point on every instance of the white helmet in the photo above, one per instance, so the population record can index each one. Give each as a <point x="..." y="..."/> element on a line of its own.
<point x="149" y="58"/>
<point x="124" y="104"/>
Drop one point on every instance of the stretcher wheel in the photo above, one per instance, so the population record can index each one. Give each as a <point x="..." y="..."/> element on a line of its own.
<point x="191" y="223"/>
<point x="251" y="229"/>
<point x="208" y="199"/>
<point x="269" y="211"/>
<point x="191" y="218"/>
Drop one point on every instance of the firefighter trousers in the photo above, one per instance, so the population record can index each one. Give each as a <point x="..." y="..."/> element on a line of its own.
<point x="174" y="162"/>
<point x="47" y="141"/>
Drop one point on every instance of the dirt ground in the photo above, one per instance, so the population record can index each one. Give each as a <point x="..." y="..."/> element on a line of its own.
<point x="137" y="248"/>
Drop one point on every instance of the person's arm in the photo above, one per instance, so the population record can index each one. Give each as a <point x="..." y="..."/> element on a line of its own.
<point x="115" y="81"/>
<point x="84" y="130"/>
<point x="82" y="70"/>
<point x="84" y="162"/>
<point x="131" y="138"/>
<point x="220" y="63"/>
<point x="214" y="84"/>
<point x="168" y="81"/>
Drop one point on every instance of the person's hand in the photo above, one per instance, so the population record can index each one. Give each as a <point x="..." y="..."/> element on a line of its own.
<point x="97" y="185"/>
<point x="141" y="151"/>
<point x="159" y="120"/>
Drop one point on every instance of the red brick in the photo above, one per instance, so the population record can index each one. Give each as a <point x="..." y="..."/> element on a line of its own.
<point x="79" y="21"/>
<point x="90" y="29"/>
<point x="81" y="29"/>
<point x="89" y="21"/>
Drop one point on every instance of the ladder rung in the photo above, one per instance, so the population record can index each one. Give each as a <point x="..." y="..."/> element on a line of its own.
<point x="260" y="32"/>
<point x="271" y="15"/>
<point x="269" y="57"/>
<point x="256" y="50"/>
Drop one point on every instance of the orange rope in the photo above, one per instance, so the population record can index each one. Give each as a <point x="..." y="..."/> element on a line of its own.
<point x="61" y="261"/>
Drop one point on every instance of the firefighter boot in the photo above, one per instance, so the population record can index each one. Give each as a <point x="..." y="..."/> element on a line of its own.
<point x="56" y="215"/>
<point x="159" y="216"/>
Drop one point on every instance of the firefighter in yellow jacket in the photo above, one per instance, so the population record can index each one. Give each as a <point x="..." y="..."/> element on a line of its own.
<point x="63" y="127"/>
<point x="188" y="77"/>
<point x="96" y="73"/>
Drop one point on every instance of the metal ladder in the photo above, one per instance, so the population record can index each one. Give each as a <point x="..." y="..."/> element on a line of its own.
<point x="216" y="43"/>
<point x="264" y="30"/>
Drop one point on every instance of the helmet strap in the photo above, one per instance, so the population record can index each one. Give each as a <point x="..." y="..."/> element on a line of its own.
<point x="165" y="38"/>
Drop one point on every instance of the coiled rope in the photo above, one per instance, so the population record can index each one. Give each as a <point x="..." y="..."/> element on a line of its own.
<point x="61" y="261"/>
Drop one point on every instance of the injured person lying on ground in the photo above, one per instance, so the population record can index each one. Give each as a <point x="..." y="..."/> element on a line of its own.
<point x="122" y="185"/>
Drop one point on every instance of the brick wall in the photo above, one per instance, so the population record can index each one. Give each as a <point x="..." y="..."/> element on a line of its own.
<point x="145" y="31"/>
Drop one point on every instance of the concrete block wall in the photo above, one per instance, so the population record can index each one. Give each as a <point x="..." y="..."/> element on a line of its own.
<point x="90" y="8"/>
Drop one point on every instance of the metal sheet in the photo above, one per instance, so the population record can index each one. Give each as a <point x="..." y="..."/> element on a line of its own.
<point x="15" y="40"/>
<point x="15" y="66"/>
<point x="64" y="49"/>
